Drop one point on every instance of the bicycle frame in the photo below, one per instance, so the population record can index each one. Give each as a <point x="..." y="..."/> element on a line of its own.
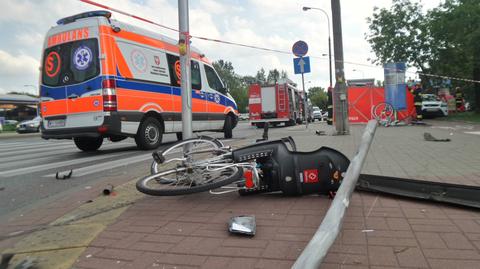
<point x="266" y="166"/>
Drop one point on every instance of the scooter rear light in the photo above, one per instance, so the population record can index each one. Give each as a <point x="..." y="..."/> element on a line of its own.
<point x="248" y="179"/>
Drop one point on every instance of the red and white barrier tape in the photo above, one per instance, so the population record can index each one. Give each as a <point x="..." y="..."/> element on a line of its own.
<point x="257" y="47"/>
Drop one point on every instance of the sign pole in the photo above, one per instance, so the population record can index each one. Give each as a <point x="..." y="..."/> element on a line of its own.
<point x="305" y="105"/>
<point x="184" y="51"/>
<point x="301" y="65"/>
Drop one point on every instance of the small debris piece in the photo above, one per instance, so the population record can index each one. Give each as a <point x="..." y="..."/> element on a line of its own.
<point x="108" y="189"/>
<point x="67" y="176"/>
<point x="318" y="132"/>
<point x="430" y="137"/>
<point x="242" y="225"/>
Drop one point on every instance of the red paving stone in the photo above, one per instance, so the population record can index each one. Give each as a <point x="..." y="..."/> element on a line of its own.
<point x="378" y="232"/>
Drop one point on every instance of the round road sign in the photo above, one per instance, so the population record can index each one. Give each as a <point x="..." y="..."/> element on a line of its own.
<point x="300" y="48"/>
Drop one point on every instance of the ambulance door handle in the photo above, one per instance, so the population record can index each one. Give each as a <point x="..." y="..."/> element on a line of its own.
<point x="72" y="96"/>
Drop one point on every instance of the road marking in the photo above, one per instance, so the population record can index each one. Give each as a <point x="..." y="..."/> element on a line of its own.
<point x="23" y="157"/>
<point x="475" y="133"/>
<point x="87" y="170"/>
<point x="49" y="148"/>
<point x="32" y="146"/>
<point x="27" y="151"/>
<point x="36" y="168"/>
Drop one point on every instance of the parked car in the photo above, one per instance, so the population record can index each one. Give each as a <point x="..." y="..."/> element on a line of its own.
<point x="29" y="126"/>
<point x="11" y="122"/>
<point x="432" y="105"/>
<point x="318" y="114"/>
<point x="243" y="116"/>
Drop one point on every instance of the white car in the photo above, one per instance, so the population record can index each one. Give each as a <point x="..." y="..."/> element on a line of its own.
<point x="432" y="105"/>
<point x="244" y="116"/>
<point x="318" y="114"/>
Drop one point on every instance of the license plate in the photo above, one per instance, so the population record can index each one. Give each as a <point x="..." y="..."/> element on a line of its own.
<point x="432" y="109"/>
<point x="56" y="123"/>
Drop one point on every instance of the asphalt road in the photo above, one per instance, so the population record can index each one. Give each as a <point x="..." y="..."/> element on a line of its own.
<point x="28" y="166"/>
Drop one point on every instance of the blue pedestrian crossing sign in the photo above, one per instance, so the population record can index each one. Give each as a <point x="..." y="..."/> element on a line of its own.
<point x="301" y="65"/>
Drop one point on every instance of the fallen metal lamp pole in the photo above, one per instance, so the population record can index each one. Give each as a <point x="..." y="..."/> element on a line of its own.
<point x="316" y="250"/>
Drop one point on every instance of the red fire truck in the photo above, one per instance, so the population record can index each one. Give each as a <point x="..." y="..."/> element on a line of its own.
<point x="278" y="103"/>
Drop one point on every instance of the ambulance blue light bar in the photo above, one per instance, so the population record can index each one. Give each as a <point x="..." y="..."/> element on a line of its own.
<point x="97" y="13"/>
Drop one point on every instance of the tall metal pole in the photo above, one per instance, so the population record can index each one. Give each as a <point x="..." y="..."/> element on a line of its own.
<point x="340" y="98"/>
<point x="329" y="54"/>
<point x="184" y="51"/>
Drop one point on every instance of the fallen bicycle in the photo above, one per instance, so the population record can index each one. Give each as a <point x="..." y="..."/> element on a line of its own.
<point x="206" y="164"/>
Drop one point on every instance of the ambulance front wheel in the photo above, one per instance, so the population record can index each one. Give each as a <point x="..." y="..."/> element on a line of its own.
<point x="228" y="127"/>
<point x="149" y="135"/>
<point x="88" y="143"/>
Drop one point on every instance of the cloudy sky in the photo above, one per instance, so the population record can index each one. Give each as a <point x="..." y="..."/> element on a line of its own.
<point x="275" y="24"/>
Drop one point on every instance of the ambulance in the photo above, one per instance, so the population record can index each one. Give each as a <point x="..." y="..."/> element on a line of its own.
<point x="101" y="78"/>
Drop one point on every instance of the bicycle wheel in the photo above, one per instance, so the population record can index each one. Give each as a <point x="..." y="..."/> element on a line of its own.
<point x="201" y="148"/>
<point x="384" y="113"/>
<point x="183" y="180"/>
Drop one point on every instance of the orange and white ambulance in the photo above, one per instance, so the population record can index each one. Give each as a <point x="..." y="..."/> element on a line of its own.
<point x="101" y="78"/>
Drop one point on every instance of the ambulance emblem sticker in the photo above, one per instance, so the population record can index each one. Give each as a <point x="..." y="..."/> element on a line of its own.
<point x="217" y="98"/>
<point x="139" y="61"/>
<point x="82" y="58"/>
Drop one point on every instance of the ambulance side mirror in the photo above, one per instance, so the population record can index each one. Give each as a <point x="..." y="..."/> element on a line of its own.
<point x="225" y="88"/>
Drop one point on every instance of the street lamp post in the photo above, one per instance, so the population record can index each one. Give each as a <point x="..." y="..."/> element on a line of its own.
<point x="329" y="42"/>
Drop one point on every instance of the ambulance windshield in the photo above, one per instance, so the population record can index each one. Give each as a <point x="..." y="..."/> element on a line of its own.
<point x="70" y="63"/>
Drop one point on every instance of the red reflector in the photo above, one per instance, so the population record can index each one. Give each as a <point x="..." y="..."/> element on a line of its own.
<point x="248" y="179"/>
<point x="109" y="83"/>
<point x="109" y="95"/>
<point x="102" y="129"/>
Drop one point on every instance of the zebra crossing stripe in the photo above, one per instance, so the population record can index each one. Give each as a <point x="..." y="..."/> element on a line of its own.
<point x="36" y="168"/>
<point x="87" y="170"/>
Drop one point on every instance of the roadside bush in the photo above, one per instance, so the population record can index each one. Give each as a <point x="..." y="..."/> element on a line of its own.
<point x="9" y="127"/>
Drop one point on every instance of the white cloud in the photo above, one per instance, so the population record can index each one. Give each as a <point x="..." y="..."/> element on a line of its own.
<point x="15" y="64"/>
<point x="274" y="24"/>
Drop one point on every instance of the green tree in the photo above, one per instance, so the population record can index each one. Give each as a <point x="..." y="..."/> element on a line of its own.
<point x="455" y="27"/>
<point x="273" y="76"/>
<point x="23" y="93"/>
<point x="400" y="34"/>
<point x="261" y="77"/>
<point x="444" y="41"/>
<point x="318" y="97"/>
<point x="237" y="88"/>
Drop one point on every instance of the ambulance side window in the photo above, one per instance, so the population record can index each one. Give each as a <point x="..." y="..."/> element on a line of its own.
<point x="196" y="78"/>
<point x="213" y="81"/>
<point x="174" y="68"/>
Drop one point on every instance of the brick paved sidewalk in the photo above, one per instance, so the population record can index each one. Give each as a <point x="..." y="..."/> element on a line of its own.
<point x="378" y="232"/>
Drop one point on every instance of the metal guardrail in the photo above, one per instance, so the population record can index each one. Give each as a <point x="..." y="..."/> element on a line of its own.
<point x="316" y="250"/>
<point x="461" y="195"/>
